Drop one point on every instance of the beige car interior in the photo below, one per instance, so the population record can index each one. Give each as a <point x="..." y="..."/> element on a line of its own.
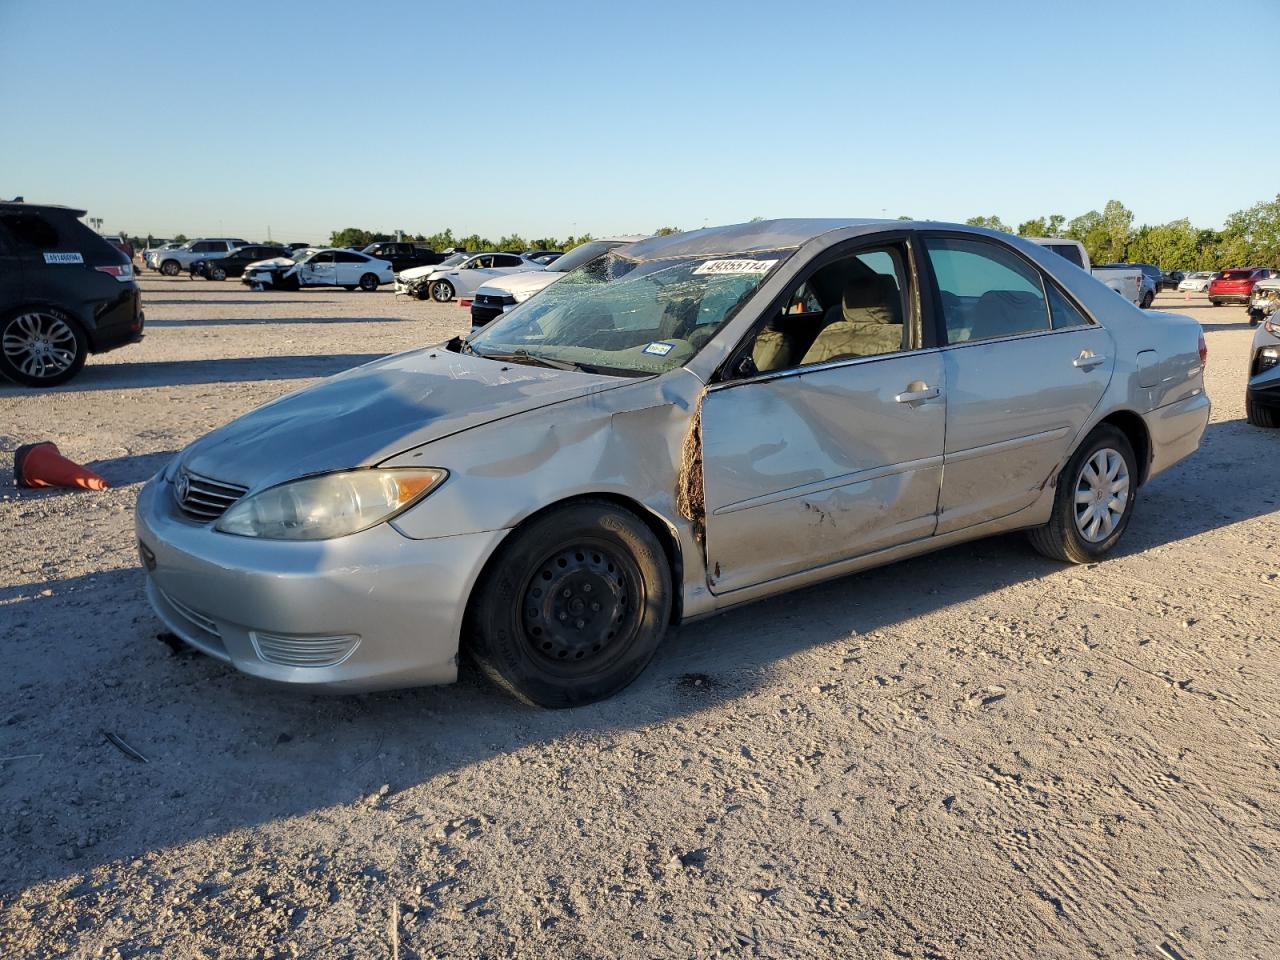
<point x="843" y="311"/>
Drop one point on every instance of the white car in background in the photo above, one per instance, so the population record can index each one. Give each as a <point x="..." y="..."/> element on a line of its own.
<point x="461" y="275"/>
<point x="1195" y="282"/>
<point x="325" y="267"/>
<point x="496" y="297"/>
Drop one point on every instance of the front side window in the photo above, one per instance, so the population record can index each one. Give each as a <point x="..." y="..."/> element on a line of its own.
<point x="628" y="316"/>
<point x="987" y="292"/>
<point x="853" y="307"/>
<point x="344" y="257"/>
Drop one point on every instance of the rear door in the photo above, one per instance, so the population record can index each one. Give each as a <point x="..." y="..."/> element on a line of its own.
<point x="829" y="443"/>
<point x="349" y="268"/>
<point x="11" y="288"/>
<point x="1025" y="366"/>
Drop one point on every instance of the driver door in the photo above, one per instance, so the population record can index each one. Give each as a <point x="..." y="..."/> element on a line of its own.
<point x="319" y="271"/>
<point x="830" y="445"/>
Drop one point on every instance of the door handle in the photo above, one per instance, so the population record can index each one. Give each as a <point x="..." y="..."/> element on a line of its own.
<point x="917" y="391"/>
<point x="1087" y="360"/>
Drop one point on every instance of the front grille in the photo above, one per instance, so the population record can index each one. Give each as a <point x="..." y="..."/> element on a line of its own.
<point x="303" y="651"/>
<point x="205" y="499"/>
<point x="198" y="620"/>
<point x="488" y="300"/>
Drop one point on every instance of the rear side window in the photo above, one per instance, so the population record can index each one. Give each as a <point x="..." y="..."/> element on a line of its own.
<point x="986" y="291"/>
<point x="31" y="231"/>
<point x="1065" y="313"/>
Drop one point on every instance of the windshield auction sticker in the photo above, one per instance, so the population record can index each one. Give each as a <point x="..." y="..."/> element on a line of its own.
<point x="659" y="349"/>
<point x="735" y="266"/>
<point x="63" y="258"/>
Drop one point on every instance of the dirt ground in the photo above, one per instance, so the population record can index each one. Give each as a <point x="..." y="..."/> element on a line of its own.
<point x="976" y="754"/>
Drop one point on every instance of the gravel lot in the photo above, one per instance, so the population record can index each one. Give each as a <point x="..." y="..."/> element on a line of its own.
<point x="976" y="754"/>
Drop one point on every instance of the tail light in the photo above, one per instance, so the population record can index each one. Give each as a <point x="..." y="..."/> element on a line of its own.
<point x="122" y="272"/>
<point x="1204" y="351"/>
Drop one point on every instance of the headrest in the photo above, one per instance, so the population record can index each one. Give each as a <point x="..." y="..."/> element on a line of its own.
<point x="871" y="298"/>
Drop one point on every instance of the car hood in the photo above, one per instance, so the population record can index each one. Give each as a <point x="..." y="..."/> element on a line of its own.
<point x="527" y="283"/>
<point x="1267" y="285"/>
<point x="414" y="273"/>
<point x="270" y="264"/>
<point x="370" y="413"/>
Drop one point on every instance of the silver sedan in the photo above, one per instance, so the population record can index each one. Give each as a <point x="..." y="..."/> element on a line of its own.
<point x="684" y="425"/>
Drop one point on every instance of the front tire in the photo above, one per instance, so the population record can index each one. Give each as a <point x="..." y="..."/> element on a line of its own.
<point x="573" y="607"/>
<point x="41" y="347"/>
<point x="1094" y="501"/>
<point x="369" y="283"/>
<point x="171" y="268"/>
<point x="1261" y="415"/>
<point x="442" y="291"/>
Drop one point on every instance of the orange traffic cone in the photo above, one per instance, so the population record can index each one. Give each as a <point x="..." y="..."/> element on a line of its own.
<point x="41" y="465"/>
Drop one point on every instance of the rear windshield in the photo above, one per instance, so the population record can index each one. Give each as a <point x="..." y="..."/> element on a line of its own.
<point x="1236" y="274"/>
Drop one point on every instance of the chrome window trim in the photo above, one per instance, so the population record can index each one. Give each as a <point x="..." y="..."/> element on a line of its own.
<point x="824" y="365"/>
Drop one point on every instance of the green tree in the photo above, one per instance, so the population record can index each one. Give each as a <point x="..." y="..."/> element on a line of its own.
<point x="666" y="231"/>
<point x="180" y="238"/>
<point x="355" y="237"/>
<point x="1117" y="227"/>
<point x="991" y="223"/>
<point x="1254" y="234"/>
<point x="1050" y="226"/>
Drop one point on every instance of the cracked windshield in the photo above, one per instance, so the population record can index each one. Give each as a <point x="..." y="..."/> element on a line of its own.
<point x="628" y="317"/>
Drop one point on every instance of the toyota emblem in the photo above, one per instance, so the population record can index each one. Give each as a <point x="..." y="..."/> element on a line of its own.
<point x="182" y="487"/>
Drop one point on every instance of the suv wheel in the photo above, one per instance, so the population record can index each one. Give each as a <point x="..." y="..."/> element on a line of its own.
<point x="41" y="347"/>
<point x="1147" y="299"/>
<point x="170" y="268"/>
<point x="217" y="273"/>
<point x="1261" y="415"/>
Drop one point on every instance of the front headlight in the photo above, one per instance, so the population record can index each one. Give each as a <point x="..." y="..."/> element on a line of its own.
<point x="333" y="505"/>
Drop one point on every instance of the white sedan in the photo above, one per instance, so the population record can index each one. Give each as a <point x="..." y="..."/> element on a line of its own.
<point x="1195" y="282"/>
<point x="445" y="281"/>
<point x="321" y="268"/>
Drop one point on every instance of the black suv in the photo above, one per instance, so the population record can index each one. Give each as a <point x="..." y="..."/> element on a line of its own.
<point x="64" y="293"/>
<point x="404" y="255"/>
<point x="233" y="264"/>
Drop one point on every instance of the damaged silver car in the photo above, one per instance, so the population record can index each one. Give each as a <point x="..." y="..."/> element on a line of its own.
<point x="684" y="425"/>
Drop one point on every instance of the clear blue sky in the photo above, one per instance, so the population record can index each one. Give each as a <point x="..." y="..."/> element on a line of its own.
<point x="608" y="117"/>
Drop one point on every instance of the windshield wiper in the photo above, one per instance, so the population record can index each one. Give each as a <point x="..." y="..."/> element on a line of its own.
<point x="524" y="356"/>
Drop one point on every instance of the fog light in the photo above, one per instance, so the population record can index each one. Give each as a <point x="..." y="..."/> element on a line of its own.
<point x="290" y="651"/>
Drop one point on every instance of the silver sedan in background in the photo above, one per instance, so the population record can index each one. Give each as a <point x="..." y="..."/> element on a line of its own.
<point x="684" y="425"/>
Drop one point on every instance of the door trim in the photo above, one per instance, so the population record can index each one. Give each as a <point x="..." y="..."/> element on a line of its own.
<point x="831" y="483"/>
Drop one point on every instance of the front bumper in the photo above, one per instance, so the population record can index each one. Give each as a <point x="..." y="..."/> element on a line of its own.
<point x="374" y="610"/>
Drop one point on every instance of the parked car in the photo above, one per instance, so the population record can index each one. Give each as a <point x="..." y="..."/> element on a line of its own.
<point x="495" y="297"/>
<point x="460" y="278"/>
<point x="1170" y="279"/>
<point x="1197" y="282"/>
<point x="1264" y="301"/>
<point x="682" y="426"/>
<point x="1235" y="286"/>
<point x="152" y="255"/>
<point x="1126" y="280"/>
<point x="327" y="267"/>
<point x="1150" y="279"/>
<point x="543" y="257"/>
<point x="64" y="293"/>
<point x="1262" y="395"/>
<point x="404" y="255"/>
<point x="173" y="262"/>
<point x="234" y="263"/>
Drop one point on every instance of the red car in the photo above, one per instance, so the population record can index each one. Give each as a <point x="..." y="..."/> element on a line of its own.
<point x="1235" y="286"/>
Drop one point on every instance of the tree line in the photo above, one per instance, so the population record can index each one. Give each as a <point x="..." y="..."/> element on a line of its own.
<point x="1248" y="238"/>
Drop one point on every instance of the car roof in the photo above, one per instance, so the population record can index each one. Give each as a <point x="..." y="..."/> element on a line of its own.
<point x="9" y="206"/>
<point x="739" y="238"/>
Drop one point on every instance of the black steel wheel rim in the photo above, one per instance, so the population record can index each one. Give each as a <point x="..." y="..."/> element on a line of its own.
<point x="582" y="607"/>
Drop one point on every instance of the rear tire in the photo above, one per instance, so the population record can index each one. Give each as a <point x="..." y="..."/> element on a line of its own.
<point x="1071" y="535"/>
<point x="1261" y="415"/>
<point x="572" y="607"/>
<point x="369" y="283"/>
<point x="1147" y="299"/>
<point x="217" y="273"/>
<point x="41" y="347"/>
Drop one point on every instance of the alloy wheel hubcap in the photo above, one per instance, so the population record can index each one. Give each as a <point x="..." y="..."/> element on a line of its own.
<point x="1102" y="495"/>
<point x="39" y="345"/>
<point x="578" y="606"/>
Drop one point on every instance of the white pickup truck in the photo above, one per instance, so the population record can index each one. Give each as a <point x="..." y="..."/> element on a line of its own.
<point x="1125" y="281"/>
